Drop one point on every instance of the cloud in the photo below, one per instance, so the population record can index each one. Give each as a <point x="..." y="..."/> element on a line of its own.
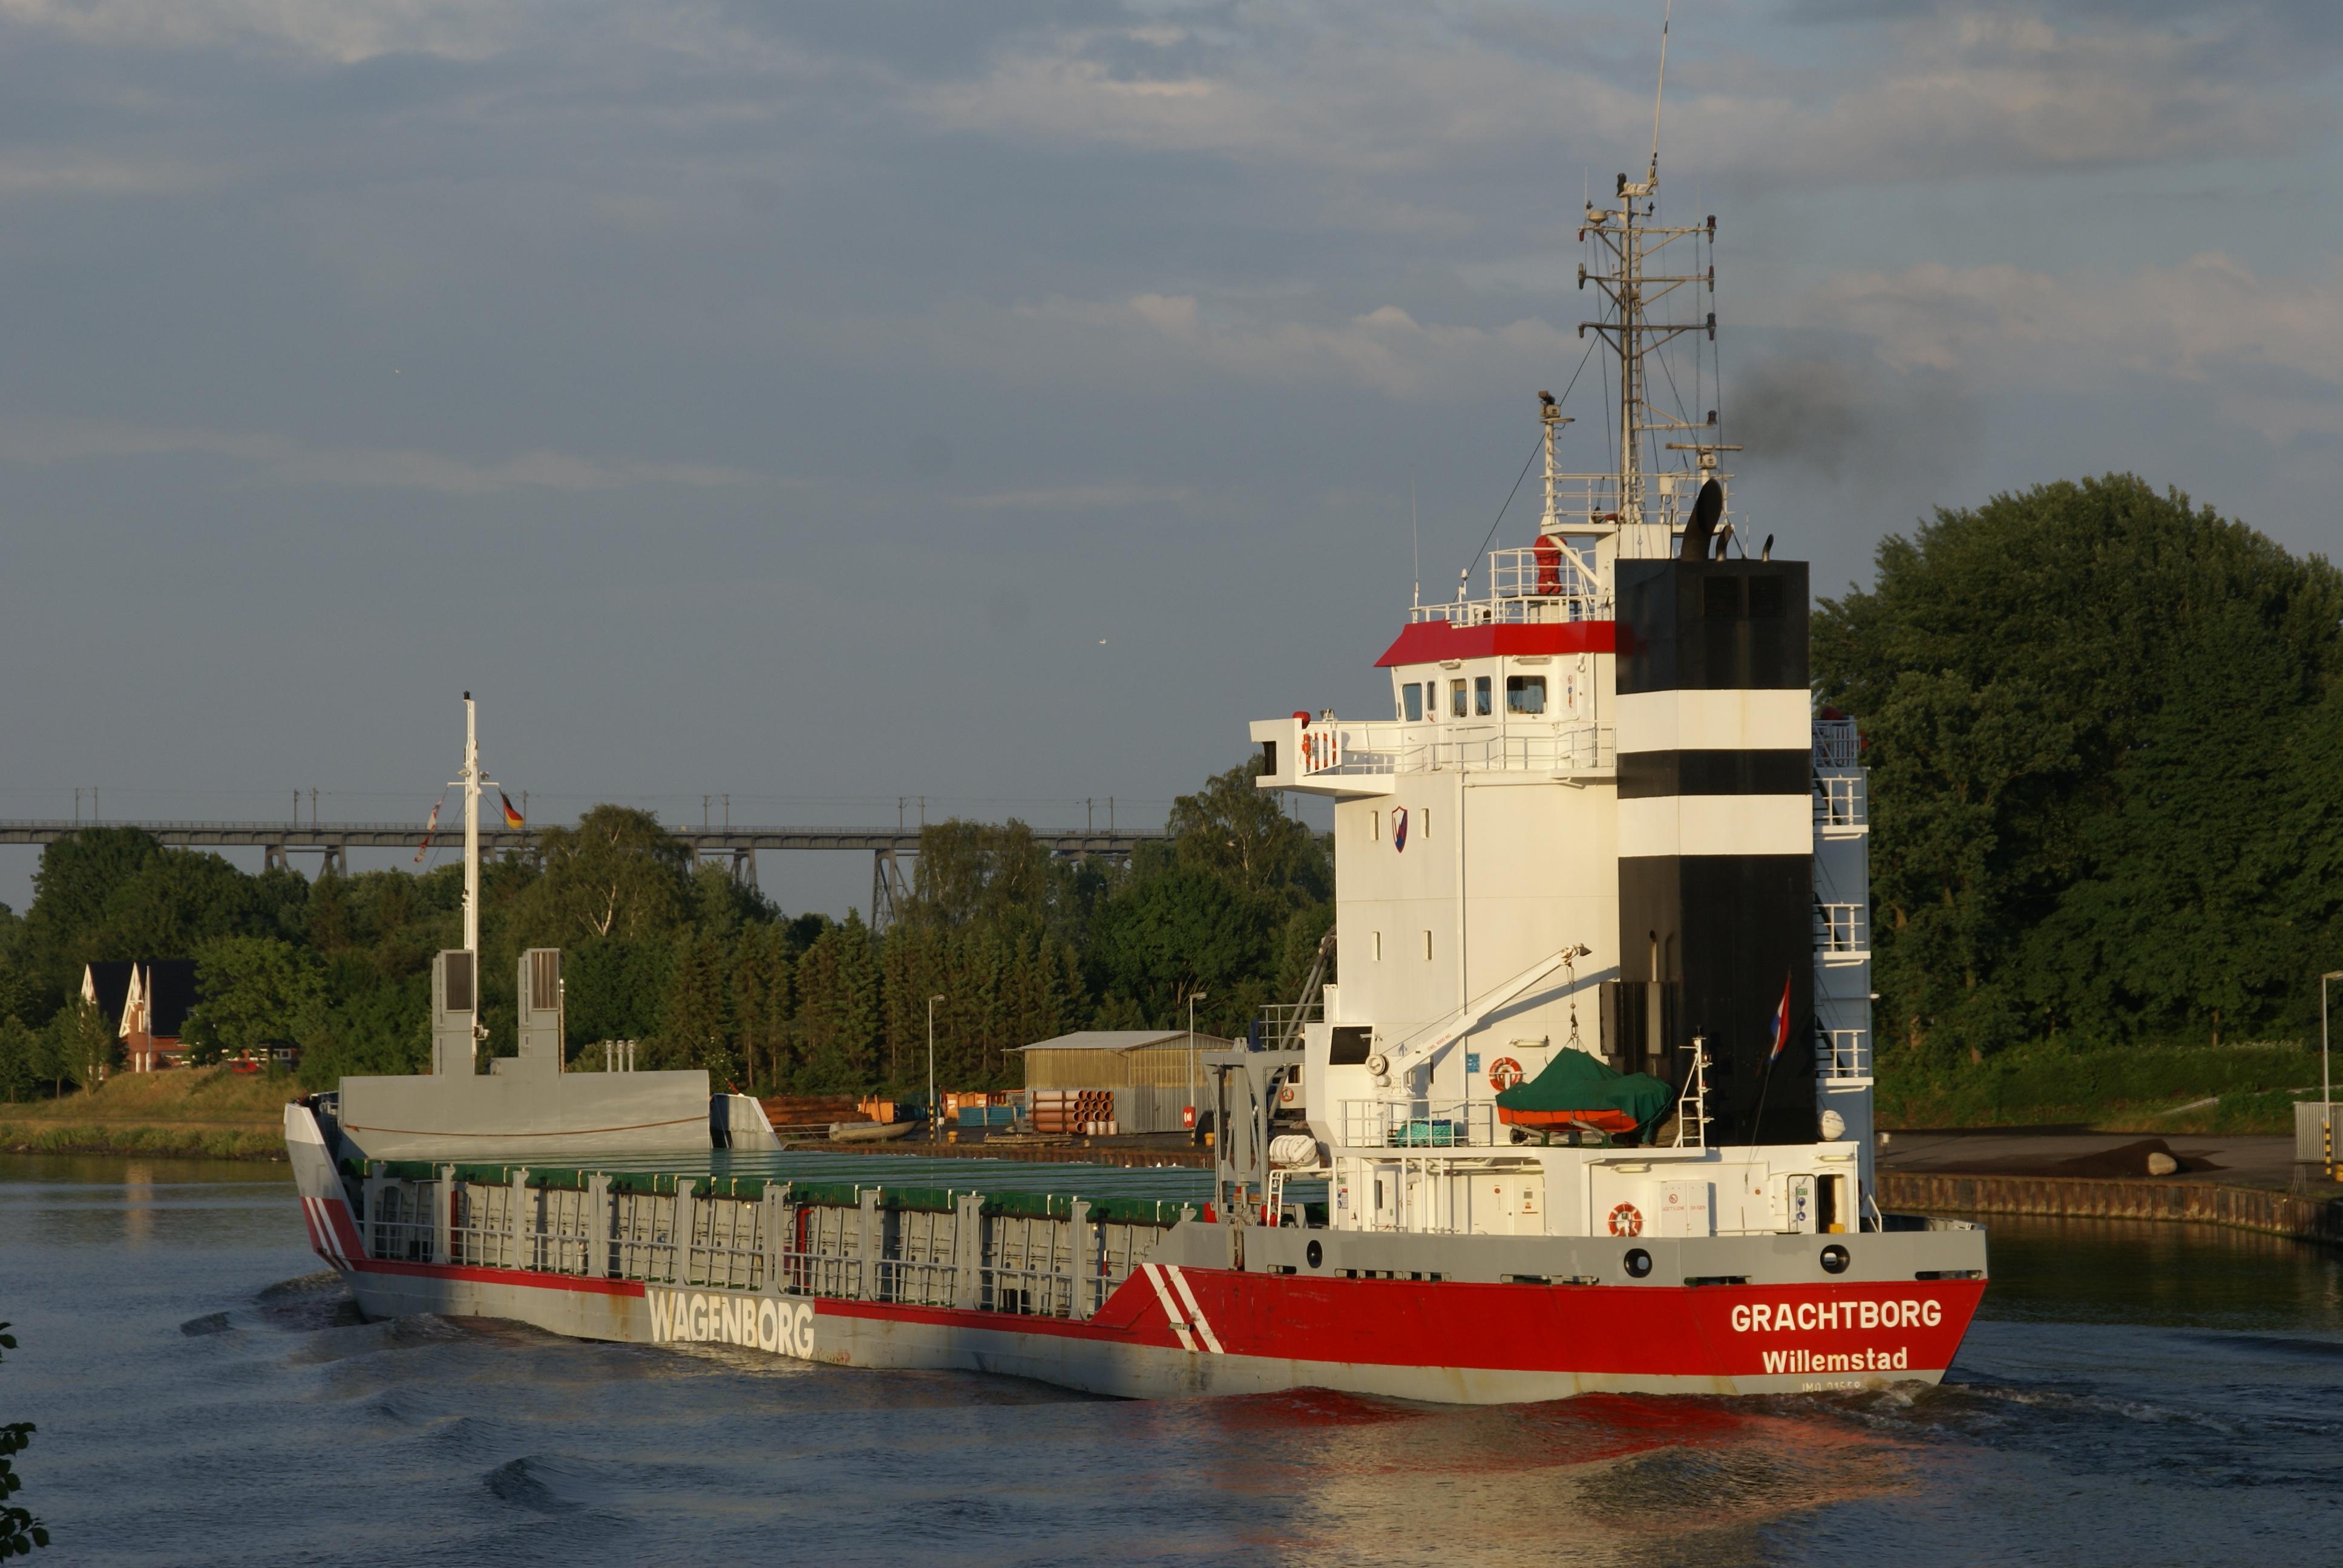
<point x="80" y="172"/>
<point x="1077" y="498"/>
<point x="1946" y="91"/>
<point x="320" y="29"/>
<point x="2271" y="348"/>
<point x="1386" y="348"/>
<point x="282" y="459"/>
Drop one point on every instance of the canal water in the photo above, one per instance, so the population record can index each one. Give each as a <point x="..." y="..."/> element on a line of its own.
<point x="2135" y="1395"/>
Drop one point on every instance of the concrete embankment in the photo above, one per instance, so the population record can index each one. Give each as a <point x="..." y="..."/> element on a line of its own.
<point x="2302" y="1216"/>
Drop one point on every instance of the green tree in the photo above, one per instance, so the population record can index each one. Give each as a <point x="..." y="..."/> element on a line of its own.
<point x="2095" y="717"/>
<point x="838" y="1010"/>
<point x="254" y="991"/>
<point x="762" y="994"/>
<point x="78" y="876"/>
<point x="1171" y="934"/>
<point x="1242" y="835"/>
<point x="21" y="1058"/>
<point x="79" y="1047"/>
<point x="695" y="1026"/>
<point x="20" y="1532"/>
<point x="614" y="990"/>
<point x="977" y="872"/>
<point x="616" y="875"/>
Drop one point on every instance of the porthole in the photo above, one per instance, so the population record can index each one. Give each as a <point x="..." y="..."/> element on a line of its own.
<point x="1639" y="1263"/>
<point x="1834" y="1259"/>
<point x="1316" y="1254"/>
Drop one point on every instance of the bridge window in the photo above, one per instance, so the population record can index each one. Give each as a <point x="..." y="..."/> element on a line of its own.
<point x="1525" y="694"/>
<point x="1456" y="697"/>
<point x="1481" y="696"/>
<point x="1412" y="695"/>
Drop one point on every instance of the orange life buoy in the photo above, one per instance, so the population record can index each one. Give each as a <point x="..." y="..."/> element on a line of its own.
<point x="1627" y="1219"/>
<point x="1287" y="1095"/>
<point x="1503" y="1073"/>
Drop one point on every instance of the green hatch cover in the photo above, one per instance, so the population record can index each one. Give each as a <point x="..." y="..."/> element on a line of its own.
<point x="1574" y="1081"/>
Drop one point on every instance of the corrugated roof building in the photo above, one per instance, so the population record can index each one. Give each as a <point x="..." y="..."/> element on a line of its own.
<point x="1116" y="1058"/>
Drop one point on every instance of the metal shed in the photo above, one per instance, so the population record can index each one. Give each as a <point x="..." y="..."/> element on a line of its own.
<point x="1150" y="1071"/>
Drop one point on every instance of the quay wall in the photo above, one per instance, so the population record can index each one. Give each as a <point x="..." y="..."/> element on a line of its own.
<point x="2262" y="1209"/>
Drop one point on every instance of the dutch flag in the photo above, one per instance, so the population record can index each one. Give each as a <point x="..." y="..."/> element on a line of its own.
<point x="1781" y="1024"/>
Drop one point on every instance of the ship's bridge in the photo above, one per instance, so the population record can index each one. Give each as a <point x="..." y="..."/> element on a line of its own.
<point x="1517" y="681"/>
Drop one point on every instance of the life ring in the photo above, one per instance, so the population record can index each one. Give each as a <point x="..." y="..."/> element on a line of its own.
<point x="1288" y="1095"/>
<point x="1503" y="1073"/>
<point x="1627" y="1219"/>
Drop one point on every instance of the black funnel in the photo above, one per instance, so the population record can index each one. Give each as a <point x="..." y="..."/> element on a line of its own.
<point x="1705" y="509"/>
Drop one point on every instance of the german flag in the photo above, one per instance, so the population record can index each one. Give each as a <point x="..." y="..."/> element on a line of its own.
<point x="513" y="819"/>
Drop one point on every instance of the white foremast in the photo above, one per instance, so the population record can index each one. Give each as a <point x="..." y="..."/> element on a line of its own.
<point x="470" y="782"/>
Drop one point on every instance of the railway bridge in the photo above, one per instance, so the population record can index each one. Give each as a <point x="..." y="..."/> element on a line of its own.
<point x="739" y="847"/>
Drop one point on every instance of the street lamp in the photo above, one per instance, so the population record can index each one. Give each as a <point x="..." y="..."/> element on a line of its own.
<point x="2326" y="1078"/>
<point x="1195" y="1118"/>
<point x="932" y="1065"/>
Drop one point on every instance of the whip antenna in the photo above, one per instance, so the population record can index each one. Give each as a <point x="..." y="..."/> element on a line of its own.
<point x="1659" y="92"/>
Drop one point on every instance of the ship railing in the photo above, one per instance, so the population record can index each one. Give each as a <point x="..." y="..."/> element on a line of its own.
<point x="1837" y="744"/>
<point x="484" y="1229"/>
<point x="1516" y="609"/>
<point x="1846" y="1054"/>
<point x="822" y="1253"/>
<point x="400" y="1221"/>
<point x="1031" y="1292"/>
<point x="1842" y="805"/>
<point x="924" y="1271"/>
<point x="1370" y="749"/>
<point x="565" y="1229"/>
<point x="1842" y="932"/>
<point x="1588" y="503"/>
<point x="917" y="1284"/>
<point x="1031" y="1267"/>
<point x="1416" y="1124"/>
<point x="726" y="1248"/>
<point x="1281" y="1024"/>
<point x="1539" y="572"/>
<point x="643" y="1235"/>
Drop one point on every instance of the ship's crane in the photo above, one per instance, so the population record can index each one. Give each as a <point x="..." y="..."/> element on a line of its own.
<point x="1422" y="1051"/>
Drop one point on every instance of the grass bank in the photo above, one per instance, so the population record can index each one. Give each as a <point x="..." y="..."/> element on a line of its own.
<point x="207" y="1113"/>
<point x="2154" y="1088"/>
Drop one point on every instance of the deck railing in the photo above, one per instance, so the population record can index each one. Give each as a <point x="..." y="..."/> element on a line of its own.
<point x="1368" y="749"/>
<point x="1844" y="1054"/>
<point x="1415" y="1124"/>
<point x="1842" y="932"/>
<point x="1842" y="805"/>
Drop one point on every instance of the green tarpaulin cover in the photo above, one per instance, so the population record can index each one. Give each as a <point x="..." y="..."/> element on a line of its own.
<point x="1573" y="1081"/>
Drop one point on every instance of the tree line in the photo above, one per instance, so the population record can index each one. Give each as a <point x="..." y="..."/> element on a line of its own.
<point x="2104" y="731"/>
<point x="697" y="968"/>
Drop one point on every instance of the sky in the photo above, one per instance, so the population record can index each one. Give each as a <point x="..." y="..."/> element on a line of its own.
<point x="823" y="404"/>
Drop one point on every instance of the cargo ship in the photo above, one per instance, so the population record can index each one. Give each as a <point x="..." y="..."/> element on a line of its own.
<point x="1579" y="1099"/>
